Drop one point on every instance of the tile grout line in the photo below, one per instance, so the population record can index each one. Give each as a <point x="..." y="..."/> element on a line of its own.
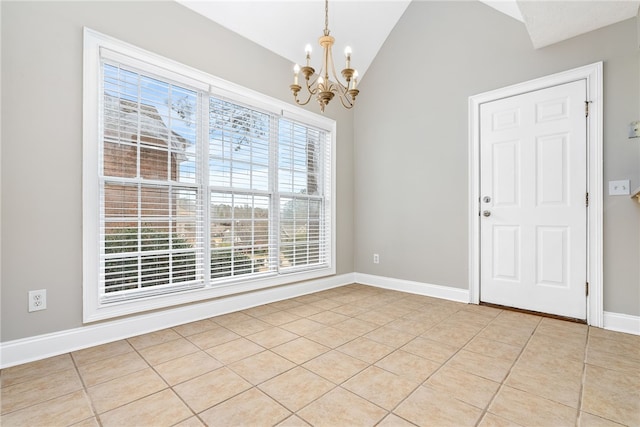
<point x="85" y="389"/>
<point x="340" y="385"/>
<point x="224" y="365"/>
<point x="583" y="377"/>
<point x="82" y="383"/>
<point x="170" y="387"/>
<point x="442" y="365"/>
<point x="153" y="368"/>
<point x="461" y="347"/>
<point x="421" y="384"/>
<point x="150" y="366"/>
<point x="296" y="413"/>
<point x="396" y="348"/>
<point x="503" y="384"/>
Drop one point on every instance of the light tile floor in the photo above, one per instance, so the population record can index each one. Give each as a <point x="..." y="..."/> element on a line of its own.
<point x="354" y="355"/>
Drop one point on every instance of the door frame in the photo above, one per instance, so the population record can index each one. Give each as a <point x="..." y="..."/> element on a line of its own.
<point x="593" y="75"/>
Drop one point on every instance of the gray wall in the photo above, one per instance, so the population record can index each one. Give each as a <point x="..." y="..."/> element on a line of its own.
<point x="42" y="136"/>
<point x="411" y="139"/>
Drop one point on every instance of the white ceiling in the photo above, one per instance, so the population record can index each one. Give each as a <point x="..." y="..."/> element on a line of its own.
<point x="286" y="26"/>
<point x="549" y="22"/>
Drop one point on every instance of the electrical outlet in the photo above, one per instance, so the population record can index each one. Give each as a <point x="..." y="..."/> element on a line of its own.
<point x="376" y="259"/>
<point x="37" y="300"/>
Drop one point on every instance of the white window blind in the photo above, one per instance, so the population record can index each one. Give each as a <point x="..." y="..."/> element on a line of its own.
<point x="189" y="194"/>
<point x="301" y="186"/>
<point x="241" y="194"/>
<point x="151" y="209"/>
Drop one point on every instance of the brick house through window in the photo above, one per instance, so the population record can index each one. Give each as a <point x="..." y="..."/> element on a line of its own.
<point x="148" y="219"/>
<point x="135" y="133"/>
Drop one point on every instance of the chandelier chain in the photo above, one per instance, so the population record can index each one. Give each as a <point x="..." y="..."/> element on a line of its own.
<point x="326" y="17"/>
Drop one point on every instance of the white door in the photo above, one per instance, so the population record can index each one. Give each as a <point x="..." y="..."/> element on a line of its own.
<point x="533" y="173"/>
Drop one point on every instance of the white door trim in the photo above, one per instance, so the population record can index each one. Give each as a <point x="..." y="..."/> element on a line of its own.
<point x="593" y="75"/>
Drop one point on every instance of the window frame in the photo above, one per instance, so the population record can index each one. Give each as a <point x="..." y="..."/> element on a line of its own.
<point x="94" y="309"/>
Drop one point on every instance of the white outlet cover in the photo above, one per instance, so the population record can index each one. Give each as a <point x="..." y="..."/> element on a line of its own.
<point x="619" y="188"/>
<point x="37" y="300"/>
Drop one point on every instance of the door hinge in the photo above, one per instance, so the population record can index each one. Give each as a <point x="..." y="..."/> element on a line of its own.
<point x="586" y="199"/>
<point x="586" y="289"/>
<point x="586" y="108"/>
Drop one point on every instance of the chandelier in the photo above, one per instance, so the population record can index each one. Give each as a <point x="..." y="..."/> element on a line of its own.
<point x="322" y="87"/>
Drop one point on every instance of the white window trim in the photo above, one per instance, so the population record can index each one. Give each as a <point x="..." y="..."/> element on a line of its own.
<point x="93" y="310"/>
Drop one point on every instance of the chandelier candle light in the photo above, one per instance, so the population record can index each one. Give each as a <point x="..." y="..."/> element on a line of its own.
<point x="322" y="87"/>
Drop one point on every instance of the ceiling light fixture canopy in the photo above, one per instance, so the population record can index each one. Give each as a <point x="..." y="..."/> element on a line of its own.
<point x="322" y="87"/>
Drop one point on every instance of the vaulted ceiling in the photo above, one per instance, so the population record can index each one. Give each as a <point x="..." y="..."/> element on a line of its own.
<point x="285" y="26"/>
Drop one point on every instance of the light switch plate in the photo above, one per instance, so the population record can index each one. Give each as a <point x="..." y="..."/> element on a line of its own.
<point x="619" y="188"/>
<point x="634" y="129"/>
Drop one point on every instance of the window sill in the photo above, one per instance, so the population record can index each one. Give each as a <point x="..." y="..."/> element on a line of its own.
<point x="96" y="311"/>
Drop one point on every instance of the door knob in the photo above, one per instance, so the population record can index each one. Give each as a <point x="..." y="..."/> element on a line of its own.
<point x="486" y="213"/>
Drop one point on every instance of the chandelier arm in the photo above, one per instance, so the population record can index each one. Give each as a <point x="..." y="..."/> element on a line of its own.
<point x="343" y="88"/>
<point x="328" y="63"/>
<point x="349" y="105"/>
<point x="305" y="102"/>
<point x="312" y="82"/>
<point x="309" y="83"/>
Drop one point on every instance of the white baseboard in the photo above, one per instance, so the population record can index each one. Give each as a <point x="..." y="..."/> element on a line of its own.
<point x="42" y="346"/>
<point x="622" y="323"/>
<point x="427" y="289"/>
<point x="612" y="321"/>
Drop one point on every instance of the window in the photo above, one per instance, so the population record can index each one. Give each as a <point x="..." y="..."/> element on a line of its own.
<point x="194" y="187"/>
